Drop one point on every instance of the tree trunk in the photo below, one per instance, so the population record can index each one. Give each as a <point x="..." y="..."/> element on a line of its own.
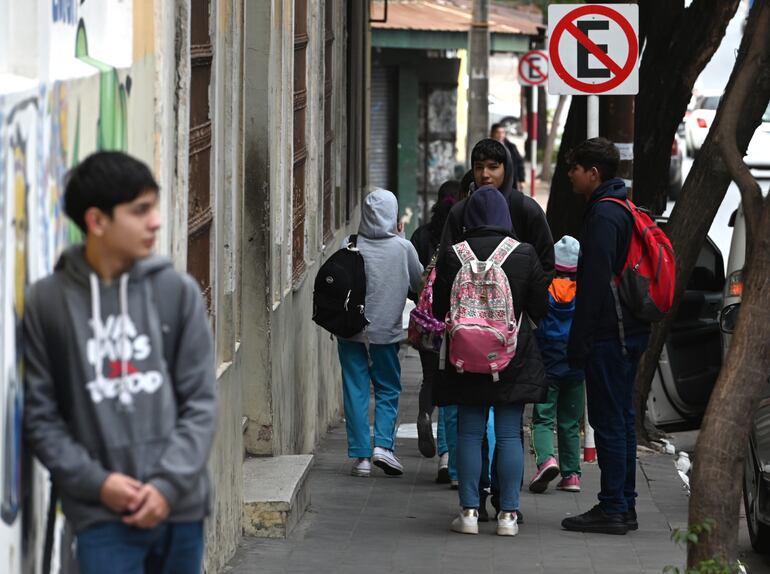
<point x="701" y="196"/>
<point x="547" y="172"/>
<point x="721" y="446"/>
<point x="565" y="208"/>
<point x="678" y="43"/>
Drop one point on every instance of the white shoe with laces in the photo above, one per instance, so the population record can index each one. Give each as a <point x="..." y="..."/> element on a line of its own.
<point x="507" y="524"/>
<point x="387" y="461"/>
<point x="362" y="468"/>
<point x="467" y="522"/>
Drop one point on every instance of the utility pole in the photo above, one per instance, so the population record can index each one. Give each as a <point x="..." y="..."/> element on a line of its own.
<point x="478" y="84"/>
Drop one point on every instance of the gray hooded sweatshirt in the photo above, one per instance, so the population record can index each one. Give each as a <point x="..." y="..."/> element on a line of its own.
<point x="392" y="268"/>
<point x="120" y="378"/>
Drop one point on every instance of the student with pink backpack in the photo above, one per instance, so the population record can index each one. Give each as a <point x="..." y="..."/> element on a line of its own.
<point x="490" y="288"/>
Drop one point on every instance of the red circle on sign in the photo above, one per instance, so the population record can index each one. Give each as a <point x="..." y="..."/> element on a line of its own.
<point x="525" y="59"/>
<point x="561" y="71"/>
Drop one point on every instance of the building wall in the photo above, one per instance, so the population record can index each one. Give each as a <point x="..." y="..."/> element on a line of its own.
<point x="294" y="393"/>
<point x="60" y="101"/>
<point x="131" y="91"/>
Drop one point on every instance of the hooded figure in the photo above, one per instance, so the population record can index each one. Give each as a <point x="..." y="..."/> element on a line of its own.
<point x="371" y="357"/>
<point x="392" y="268"/>
<point x="528" y="220"/>
<point x="487" y="222"/>
<point x="108" y="372"/>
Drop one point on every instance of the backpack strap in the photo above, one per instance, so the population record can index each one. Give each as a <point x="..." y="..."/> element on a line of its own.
<point x="464" y="252"/>
<point x="352" y="242"/>
<point x="503" y="250"/>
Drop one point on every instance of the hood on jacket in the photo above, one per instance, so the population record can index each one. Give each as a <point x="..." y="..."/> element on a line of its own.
<point x="75" y="267"/>
<point x="487" y="207"/>
<point x="507" y="187"/>
<point x="379" y="215"/>
<point x="73" y="262"/>
<point x="614" y="187"/>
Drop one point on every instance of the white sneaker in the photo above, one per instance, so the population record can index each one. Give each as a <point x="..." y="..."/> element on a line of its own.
<point x="507" y="524"/>
<point x="387" y="461"/>
<point x="467" y="522"/>
<point x="362" y="467"/>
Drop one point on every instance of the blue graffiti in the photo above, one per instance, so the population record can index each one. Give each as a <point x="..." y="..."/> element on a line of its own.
<point x="65" y="11"/>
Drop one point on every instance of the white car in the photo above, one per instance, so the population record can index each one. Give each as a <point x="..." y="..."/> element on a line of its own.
<point x="699" y="121"/>
<point x="758" y="153"/>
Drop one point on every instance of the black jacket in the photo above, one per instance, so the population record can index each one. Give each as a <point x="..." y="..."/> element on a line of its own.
<point x="518" y="163"/>
<point x="524" y="378"/>
<point x="424" y="243"/>
<point x="605" y="238"/>
<point x="529" y="222"/>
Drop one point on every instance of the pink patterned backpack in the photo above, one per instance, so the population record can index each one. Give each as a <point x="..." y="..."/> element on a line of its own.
<point x="481" y="323"/>
<point x="426" y="333"/>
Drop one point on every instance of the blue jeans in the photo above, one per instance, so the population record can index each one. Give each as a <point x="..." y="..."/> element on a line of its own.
<point x="610" y="392"/>
<point x="384" y="371"/>
<point x="447" y="437"/>
<point x="115" y="548"/>
<point x="472" y="425"/>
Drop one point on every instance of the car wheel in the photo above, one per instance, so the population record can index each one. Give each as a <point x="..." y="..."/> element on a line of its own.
<point x="759" y="533"/>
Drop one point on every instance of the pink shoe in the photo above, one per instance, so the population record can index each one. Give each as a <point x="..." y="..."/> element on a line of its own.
<point x="570" y="483"/>
<point x="546" y="472"/>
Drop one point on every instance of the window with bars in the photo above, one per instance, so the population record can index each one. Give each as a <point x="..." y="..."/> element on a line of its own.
<point x="200" y="214"/>
<point x="300" y="143"/>
<point x="328" y="118"/>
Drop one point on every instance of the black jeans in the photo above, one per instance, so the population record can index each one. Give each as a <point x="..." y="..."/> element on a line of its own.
<point x="610" y="375"/>
<point x="429" y="363"/>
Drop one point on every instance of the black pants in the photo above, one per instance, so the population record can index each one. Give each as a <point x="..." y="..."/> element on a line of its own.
<point x="429" y="363"/>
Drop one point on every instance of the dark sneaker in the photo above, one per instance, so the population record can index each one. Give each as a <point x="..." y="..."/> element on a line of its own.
<point x="425" y="441"/>
<point x="442" y="475"/>
<point x="597" y="521"/>
<point x="483" y="514"/>
<point x="631" y="521"/>
<point x="519" y="517"/>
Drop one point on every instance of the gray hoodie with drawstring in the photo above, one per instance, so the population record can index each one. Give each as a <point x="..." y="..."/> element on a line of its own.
<point x="120" y="378"/>
<point x="392" y="268"/>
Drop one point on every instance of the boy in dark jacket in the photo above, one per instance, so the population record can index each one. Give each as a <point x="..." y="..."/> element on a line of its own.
<point x="120" y="401"/>
<point x="608" y="354"/>
<point x="565" y="402"/>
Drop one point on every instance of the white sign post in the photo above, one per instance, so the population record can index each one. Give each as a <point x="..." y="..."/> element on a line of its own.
<point x="594" y="50"/>
<point x="533" y="71"/>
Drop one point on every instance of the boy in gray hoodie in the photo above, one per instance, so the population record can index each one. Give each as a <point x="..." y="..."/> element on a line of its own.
<point x="392" y="269"/>
<point x="120" y="398"/>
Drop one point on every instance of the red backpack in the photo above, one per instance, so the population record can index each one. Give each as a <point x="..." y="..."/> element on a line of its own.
<point x="648" y="278"/>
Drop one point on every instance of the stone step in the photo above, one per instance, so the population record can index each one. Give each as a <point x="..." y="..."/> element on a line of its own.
<point x="276" y="494"/>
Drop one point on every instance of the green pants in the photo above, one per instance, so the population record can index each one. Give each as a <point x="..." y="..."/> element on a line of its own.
<point x="564" y="407"/>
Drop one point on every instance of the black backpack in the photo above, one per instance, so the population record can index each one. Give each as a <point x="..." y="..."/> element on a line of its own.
<point x="339" y="292"/>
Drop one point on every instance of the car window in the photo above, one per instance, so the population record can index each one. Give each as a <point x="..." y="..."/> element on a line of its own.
<point x="708" y="274"/>
<point x="710" y="102"/>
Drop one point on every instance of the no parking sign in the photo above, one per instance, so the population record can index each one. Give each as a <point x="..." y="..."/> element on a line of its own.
<point x="533" y="68"/>
<point x="593" y="48"/>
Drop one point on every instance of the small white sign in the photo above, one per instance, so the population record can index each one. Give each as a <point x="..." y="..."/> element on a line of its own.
<point x="593" y="49"/>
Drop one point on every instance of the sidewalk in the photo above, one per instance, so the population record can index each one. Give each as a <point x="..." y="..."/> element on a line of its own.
<point x="401" y="525"/>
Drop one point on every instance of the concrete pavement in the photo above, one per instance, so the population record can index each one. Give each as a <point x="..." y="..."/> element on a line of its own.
<point x="401" y="525"/>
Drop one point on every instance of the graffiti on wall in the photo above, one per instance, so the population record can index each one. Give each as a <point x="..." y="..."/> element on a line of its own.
<point x="80" y="105"/>
<point x="18" y="174"/>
